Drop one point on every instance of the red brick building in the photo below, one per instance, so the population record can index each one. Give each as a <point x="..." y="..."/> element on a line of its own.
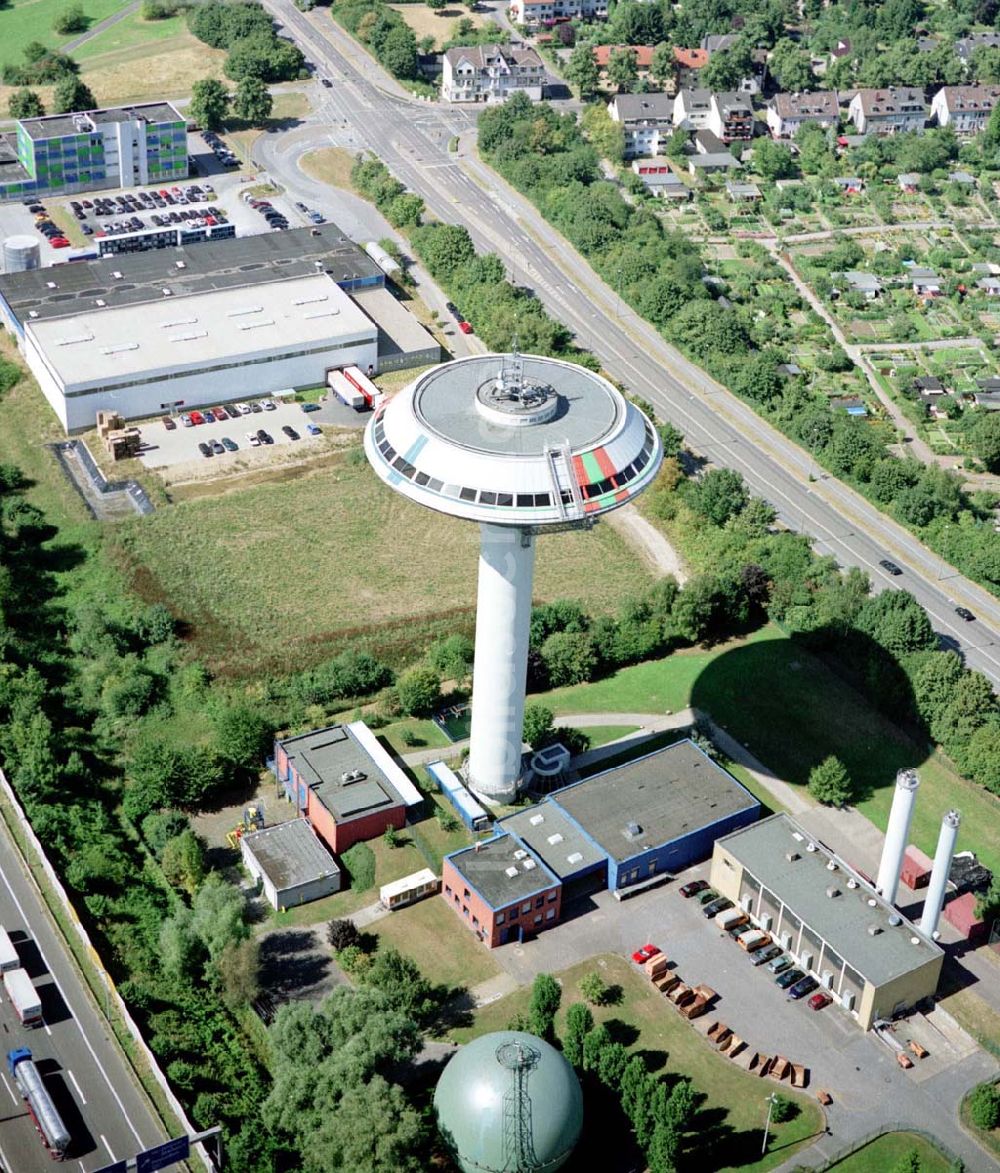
<point x="503" y="891"/>
<point x="344" y="782"/>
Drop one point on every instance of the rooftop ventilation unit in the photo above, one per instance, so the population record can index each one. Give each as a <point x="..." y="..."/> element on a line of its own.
<point x="333" y="312"/>
<point x="178" y="322"/>
<point x="51" y="285"/>
<point x="188" y="337"/>
<point x="556" y="838"/>
<point x="73" y="341"/>
<point x="529" y="865"/>
<point x="874" y="930"/>
<point x="511" y="872"/>
<point x="536" y="820"/>
<point x="576" y="857"/>
<point x="833" y="892"/>
<point x="119" y="346"/>
<point x="632" y="831"/>
<point x="180" y="264"/>
<point x="872" y="902"/>
<point x="167" y="292"/>
<point x="831" y="866"/>
<point x="797" y="836"/>
<point x="895" y="921"/>
<point x="249" y="309"/>
<point x="852" y="883"/>
<point x="350" y="776"/>
<point x="810" y="847"/>
<point x="311" y="300"/>
<point x="792" y="856"/>
<point x="100" y="302"/>
<point x="255" y="325"/>
<point x="520" y="854"/>
<point x="914" y="940"/>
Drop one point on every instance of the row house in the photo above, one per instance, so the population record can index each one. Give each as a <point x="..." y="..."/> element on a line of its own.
<point x="550" y="12"/>
<point x="687" y="65"/>
<point x="893" y="110"/>
<point x="731" y="117"/>
<point x="491" y="73"/>
<point x="692" y="109"/>
<point x="966" y="109"/>
<point x="786" y="113"/>
<point x="643" y="57"/>
<point x="646" y="119"/>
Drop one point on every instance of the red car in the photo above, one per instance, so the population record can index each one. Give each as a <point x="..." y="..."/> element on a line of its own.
<point x="466" y="327"/>
<point x="645" y="953"/>
<point x="818" y="1001"/>
<point x="59" y="242"/>
<point x="197" y="417"/>
<point x="693" y="888"/>
<point x="219" y="414"/>
<point x="169" y="423"/>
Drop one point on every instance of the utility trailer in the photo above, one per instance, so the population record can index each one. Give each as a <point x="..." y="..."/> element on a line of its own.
<point x="23" y="997"/>
<point x="8" y="954"/>
<point x="55" y="1136"/>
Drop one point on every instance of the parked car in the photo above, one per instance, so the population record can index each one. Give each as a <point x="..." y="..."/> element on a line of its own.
<point x="220" y="414"/>
<point x="290" y="432"/>
<point x="788" y="978"/>
<point x="229" y="445"/>
<point x="59" y="242"/>
<point x="169" y="423"/>
<point x="889" y="567"/>
<point x="326" y="82"/>
<point x="738" y="930"/>
<point x="310" y="407"/>
<point x="716" y="906"/>
<point x="268" y="405"/>
<point x="692" y="888"/>
<point x="768" y="953"/>
<point x="204" y="449"/>
<point x="217" y="447"/>
<point x="640" y="956"/>
<point x="264" y="437"/>
<point x="779" y="964"/>
<point x="255" y="407"/>
<point x="253" y="439"/>
<point x="243" y="408"/>
<point x="231" y="411"/>
<point x="314" y="429"/>
<point x="186" y="420"/>
<point x="708" y="895"/>
<point x="466" y="327"/>
<point x="802" y="987"/>
<point x="317" y="217"/>
<point x="197" y="417"/>
<point x="818" y="1001"/>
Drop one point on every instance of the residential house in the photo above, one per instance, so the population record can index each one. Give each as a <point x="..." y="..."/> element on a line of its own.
<point x="742" y="192"/>
<point x="491" y="73"/>
<point x="647" y="120"/>
<point x="787" y="112"/>
<point x="908" y="181"/>
<point x="789" y="370"/>
<point x="966" y="109"/>
<point x="643" y="57"/>
<point x="719" y="43"/>
<point x="962" y="178"/>
<point x="989" y="285"/>
<point x="965" y="45"/>
<point x="888" y="111"/>
<point x="841" y="50"/>
<point x="710" y="155"/>
<point x="867" y="284"/>
<point x="687" y="63"/>
<point x="929" y="387"/>
<point x="853" y="405"/>
<point x="731" y="117"/>
<point x="988" y="400"/>
<point x="550" y="12"/>
<point x="692" y="109"/>
<point x="660" y="180"/>
<point x="925" y="282"/>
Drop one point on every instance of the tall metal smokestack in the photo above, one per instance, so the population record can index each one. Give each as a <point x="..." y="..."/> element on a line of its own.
<point x="939" y="873"/>
<point x="896" y="834"/>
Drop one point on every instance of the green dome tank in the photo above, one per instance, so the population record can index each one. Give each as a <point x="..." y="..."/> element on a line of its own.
<point x="509" y="1102"/>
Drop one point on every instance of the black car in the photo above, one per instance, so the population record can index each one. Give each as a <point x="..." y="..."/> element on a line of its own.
<point x="714" y="907"/>
<point x="326" y="83"/>
<point x="290" y="432"/>
<point x="204" y="449"/>
<point x="788" y="978"/>
<point x="231" y="411"/>
<point x="964" y="613"/>
<point x="889" y="567"/>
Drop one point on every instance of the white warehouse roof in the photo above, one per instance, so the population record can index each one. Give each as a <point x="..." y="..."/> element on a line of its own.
<point x="99" y="346"/>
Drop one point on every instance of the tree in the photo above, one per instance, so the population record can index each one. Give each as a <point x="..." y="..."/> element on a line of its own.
<point x="664" y="1148"/>
<point x="896" y="622"/>
<point x="727" y="68"/>
<point x="595" y="1049"/>
<point x="579" y="1022"/>
<point x="390" y="836"/>
<point x="71" y="20"/>
<point x="790" y="67"/>
<point x="546" y="995"/>
<point x="399" y="52"/>
<point x="242" y="735"/>
<point x="908" y="1163"/>
<point x="537" y="729"/>
<point x="783" y="1109"/>
<point x="632" y="1087"/>
<point x="218" y="915"/>
<point x="209" y="103"/>
<point x="70" y="94"/>
<point x="181" y="952"/>
<point x="984" y="439"/>
<point x="398" y="977"/>
<point x="772" y="160"/>
<point x="341" y="934"/>
<point x="375" y="1129"/>
<point x="982" y="757"/>
<point x="829" y="782"/>
<point x="25" y="104"/>
<point x="452" y="657"/>
<point x="984" y="1106"/>
<point x="569" y="658"/>
<point x="933" y="679"/>
<point x="594" y="988"/>
<point x="158" y="829"/>
<point x="252" y="101"/>
<point x="436" y="5"/>
<point x="183" y="861"/>
<point x="238" y="968"/>
<point x="623" y="68"/>
<point x="720" y="494"/>
<point x="601" y="129"/>
<point x="419" y="691"/>
<point x="581" y="70"/>
<point x="661" y="68"/>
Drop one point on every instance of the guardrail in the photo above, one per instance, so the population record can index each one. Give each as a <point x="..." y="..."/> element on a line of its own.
<point x="50" y="874"/>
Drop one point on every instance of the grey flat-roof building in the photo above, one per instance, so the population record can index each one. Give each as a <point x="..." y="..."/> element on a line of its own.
<point x="291" y="863"/>
<point x="548" y="831"/>
<point x="828" y="917"/>
<point x="660" y="813"/>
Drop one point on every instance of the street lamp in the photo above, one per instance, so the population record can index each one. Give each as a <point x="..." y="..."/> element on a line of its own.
<point x="772" y="1099"/>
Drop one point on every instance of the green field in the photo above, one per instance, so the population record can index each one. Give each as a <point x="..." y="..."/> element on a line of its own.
<point x="729" y="1131"/>
<point x="883" y="1154"/>
<point x="791" y="711"/>
<point x="280" y="573"/>
<point x="129" y="33"/>
<point x="31" y="20"/>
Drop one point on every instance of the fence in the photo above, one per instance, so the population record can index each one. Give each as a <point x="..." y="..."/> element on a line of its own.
<point x="888" y="1127"/>
<point x="135" y="492"/>
<point x="50" y="874"/>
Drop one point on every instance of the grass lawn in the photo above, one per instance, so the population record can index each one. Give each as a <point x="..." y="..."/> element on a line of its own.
<point x="791" y="711"/>
<point x="331" y="165"/>
<point x="31" y="20"/>
<point x="289" y="107"/>
<point x="971" y="1012"/>
<point x="424" y="735"/>
<point x="164" y="68"/>
<point x="336" y="552"/>
<point x="884" y="1153"/>
<point x="425" y="22"/>
<point x="418" y="931"/>
<point x="437" y="842"/>
<point x="130" y="33"/>
<point x="601" y="734"/>
<point x="733" y="1107"/>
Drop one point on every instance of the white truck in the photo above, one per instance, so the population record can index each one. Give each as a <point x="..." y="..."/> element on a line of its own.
<point x="23" y="996"/>
<point x="8" y="954"/>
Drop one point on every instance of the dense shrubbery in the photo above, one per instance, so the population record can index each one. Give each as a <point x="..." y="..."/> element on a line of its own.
<point x="388" y="36"/>
<point x="246" y="30"/>
<point x="41" y="66"/>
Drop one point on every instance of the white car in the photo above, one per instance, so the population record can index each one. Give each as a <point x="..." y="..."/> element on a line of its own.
<point x="253" y="440"/>
<point x="268" y="405"/>
<point x="243" y="408"/>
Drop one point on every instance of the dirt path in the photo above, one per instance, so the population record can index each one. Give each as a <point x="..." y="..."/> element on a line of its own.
<point x="647" y="539"/>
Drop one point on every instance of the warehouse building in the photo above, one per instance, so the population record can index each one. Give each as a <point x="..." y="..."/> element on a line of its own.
<point x="345" y="783"/>
<point x="503" y="891"/>
<point x="142" y="333"/>
<point x="93" y="150"/>
<point x="828" y="917"/>
<point x="290" y="863"/>
<point x="566" y="849"/>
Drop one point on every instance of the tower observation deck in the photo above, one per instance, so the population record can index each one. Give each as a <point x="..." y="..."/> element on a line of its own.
<point x="522" y="445"/>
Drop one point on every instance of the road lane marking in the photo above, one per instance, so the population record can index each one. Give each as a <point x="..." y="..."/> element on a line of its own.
<point x="108" y="1147"/>
<point x="9" y="1092"/>
<point x="83" y="1098"/>
<point x="83" y="1035"/>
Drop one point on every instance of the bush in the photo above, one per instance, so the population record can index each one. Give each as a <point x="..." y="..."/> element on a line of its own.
<point x="342" y="934"/>
<point x="71" y="20"/>
<point x="419" y="691"/>
<point x="360" y="863"/>
<point x="984" y="1106"/>
<point x="829" y="782"/>
<point x="783" y="1109"/>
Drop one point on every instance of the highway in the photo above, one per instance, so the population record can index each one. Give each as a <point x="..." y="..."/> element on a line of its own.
<point x="412" y="138"/>
<point x="106" y="1113"/>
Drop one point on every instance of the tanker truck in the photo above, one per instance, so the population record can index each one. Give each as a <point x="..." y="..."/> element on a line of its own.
<point x="43" y="1111"/>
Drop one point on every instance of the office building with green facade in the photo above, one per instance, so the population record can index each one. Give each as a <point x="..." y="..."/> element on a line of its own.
<point x="66" y="153"/>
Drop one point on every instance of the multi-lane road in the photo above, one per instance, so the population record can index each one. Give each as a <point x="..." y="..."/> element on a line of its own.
<point x="412" y="138"/>
<point x="105" y="1111"/>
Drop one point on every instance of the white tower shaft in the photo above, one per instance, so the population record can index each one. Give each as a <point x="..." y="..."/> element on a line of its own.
<point x="503" y="624"/>
<point x="939" y="873"/>
<point x="896" y="834"/>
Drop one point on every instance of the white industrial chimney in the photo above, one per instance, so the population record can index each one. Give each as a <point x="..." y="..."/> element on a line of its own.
<point x="897" y="833"/>
<point x="939" y="873"/>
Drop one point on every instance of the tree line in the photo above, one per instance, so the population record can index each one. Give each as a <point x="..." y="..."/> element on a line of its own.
<point x="246" y="31"/>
